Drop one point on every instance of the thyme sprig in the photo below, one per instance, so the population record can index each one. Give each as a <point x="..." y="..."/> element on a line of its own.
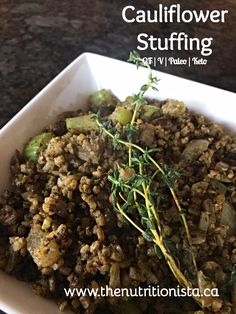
<point x="167" y="173"/>
<point x="135" y="193"/>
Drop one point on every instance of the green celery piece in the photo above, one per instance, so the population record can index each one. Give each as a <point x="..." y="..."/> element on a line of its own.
<point x="102" y="96"/>
<point x="150" y="111"/>
<point x="122" y="115"/>
<point x="36" y="144"/>
<point x="83" y="123"/>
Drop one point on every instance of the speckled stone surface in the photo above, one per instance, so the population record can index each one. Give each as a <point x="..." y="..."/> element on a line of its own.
<point x="39" y="38"/>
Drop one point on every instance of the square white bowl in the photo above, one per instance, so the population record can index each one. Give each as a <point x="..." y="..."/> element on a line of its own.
<point x="69" y="91"/>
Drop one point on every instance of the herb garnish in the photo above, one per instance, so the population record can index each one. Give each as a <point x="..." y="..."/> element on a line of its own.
<point x="133" y="191"/>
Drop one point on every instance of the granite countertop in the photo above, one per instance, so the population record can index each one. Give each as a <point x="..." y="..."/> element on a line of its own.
<point x="39" y="38"/>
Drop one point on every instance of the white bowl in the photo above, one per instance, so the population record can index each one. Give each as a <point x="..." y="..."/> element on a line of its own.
<point x="69" y="91"/>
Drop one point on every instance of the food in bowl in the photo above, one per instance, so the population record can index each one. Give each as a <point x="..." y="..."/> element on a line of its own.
<point x="125" y="198"/>
<point x="59" y="226"/>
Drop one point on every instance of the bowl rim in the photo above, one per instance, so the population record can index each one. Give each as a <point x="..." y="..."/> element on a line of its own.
<point x="87" y="55"/>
